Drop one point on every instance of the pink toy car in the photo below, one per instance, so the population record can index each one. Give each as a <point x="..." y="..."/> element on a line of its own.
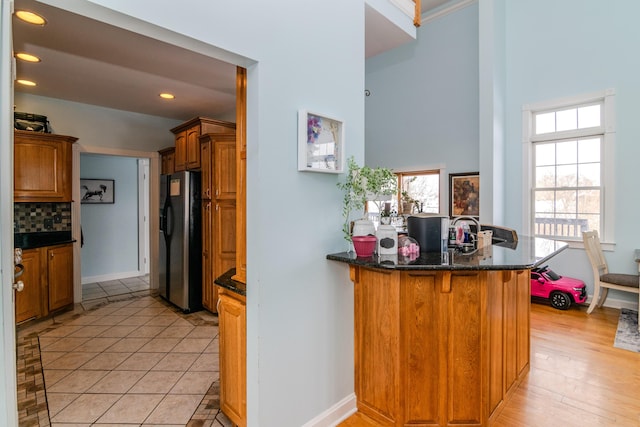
<point x="561" y="291"/>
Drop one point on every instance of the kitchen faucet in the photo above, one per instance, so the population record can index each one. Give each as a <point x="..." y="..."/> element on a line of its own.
<point x="467" y="218"/>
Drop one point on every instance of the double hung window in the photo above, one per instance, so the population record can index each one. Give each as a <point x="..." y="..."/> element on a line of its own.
<point x="569" y="146"/>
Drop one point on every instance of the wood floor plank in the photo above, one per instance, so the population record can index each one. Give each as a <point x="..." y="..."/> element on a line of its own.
<point x="577" y="377"/>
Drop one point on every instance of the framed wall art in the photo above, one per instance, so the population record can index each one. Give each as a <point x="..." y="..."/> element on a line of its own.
<point x="464" y="194"/>
<point x="97" y="191"/>
<point x="320" y="143"/>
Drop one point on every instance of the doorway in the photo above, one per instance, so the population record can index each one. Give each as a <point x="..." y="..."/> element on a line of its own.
<point x="114" y="235"/>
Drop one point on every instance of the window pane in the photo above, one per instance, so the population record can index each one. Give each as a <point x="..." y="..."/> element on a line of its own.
<point x="589" y="175"/>
<point x="544" y="201"/>
<point x="567" y="120"/>
<point x="567" y="176"/>
<point x="545" y="176"/>
<point x="545" y="154"/>
<point x="588" y="201"/>
<point x="566" y="152"/>
<point x="566" y="201"/>
<point x="589" y="150"/>
<point x="425" y="189"/>
<point x="593" y="222"/>
<point x="589" y="116"/>
<point x="545" y="123"/>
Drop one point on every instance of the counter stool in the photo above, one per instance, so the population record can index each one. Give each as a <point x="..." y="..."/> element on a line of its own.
<point x="603" y="280"/>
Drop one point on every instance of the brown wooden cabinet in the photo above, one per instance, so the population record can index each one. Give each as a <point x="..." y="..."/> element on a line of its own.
<point x="187" y="138"/>
<point x="42" y="167"/>
<point x="48" y="281"/>
<point x="439" y="348"/>
<point x="60" y="276"/>
<point x="29" y="300"/>
<point x="209" y="292"/>
<point x="218" y="171"/>
<point x="167" y="160"/>
<point x="232" y="317"/>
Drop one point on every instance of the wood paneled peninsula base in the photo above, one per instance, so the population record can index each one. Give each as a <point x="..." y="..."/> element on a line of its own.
<point x="442" y="344"/>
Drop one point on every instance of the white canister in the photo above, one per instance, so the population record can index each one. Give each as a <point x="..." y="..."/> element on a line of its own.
<point x="387" y="240"/>
<point x="363" y="227"/>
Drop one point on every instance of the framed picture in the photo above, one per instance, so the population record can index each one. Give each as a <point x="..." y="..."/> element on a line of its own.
<point x="464" y="194"/>
<point x="320" y="143"/>
<point x="97" y="191"/>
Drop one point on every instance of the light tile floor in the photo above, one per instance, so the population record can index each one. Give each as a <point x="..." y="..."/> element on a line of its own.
<point x="134" y="362"/>
<point x="111" y="288"/>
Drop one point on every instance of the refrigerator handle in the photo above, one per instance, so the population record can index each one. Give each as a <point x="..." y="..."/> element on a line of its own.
<point x="164" y="220"/>
<point x="168" y="220"/>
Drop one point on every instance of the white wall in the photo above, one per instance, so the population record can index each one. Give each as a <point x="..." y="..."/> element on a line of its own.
<point x="581" y="47"/>
<point x="110" y="231"/>
<point x="100" y="126"/>
<point x="299" y="305"/>
<point x="423" y="107"/>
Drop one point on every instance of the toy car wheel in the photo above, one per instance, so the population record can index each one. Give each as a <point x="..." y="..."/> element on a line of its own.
<point x="560" y="300"/>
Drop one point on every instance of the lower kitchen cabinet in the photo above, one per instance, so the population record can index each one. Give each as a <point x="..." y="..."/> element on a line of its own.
<point x="48" y="281"/>
<point x="29" y="300"/>
<point x="60" y="276"/>
<point x="232" y="318"/>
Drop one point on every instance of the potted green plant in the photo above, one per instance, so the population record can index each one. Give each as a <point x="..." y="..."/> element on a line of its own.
<point x="407" y="202"/>
<point x="363" y="183"/>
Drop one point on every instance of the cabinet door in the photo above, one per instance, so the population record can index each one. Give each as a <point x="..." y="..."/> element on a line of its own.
<point x="42" y="171"/>
<point x="168" y="162"/>
<point x="205" y="169"/>
<point x="225" y="170"/>
<point x="60" y="276"/>
<point x="180" y="157"/>
<point x="209" y="290"/>
<point x="29" y="300"/>
<point x="233" y="371"/>
<point x="224" y="237"/>
<point x="193" y="147"/>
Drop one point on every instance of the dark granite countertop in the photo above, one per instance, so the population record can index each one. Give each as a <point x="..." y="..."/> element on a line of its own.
<point x="227" y="282"/>
<point x="527" y="252"/>
<point x="41" y="239"/>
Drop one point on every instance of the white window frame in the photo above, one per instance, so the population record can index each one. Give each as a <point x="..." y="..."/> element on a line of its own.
<point x="607" y="97"/>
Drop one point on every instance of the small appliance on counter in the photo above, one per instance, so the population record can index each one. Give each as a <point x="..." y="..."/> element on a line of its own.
<point x="431" y="231"/>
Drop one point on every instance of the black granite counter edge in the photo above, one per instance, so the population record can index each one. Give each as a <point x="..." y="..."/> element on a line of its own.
<point x="228" y="283"/>
<point x="434" y="261"/>
<point x="41" y="239"/>
<point x="374" y="262"/>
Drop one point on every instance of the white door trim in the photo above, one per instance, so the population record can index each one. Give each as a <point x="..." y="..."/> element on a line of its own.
<point x="154" y="199"/>
<point x="9" y="395"/>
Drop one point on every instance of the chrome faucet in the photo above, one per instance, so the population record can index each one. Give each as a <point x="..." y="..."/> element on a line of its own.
<point x="470" y="218"/>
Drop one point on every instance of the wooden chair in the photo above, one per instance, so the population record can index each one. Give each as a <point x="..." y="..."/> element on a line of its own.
<point x="602" y="279"/>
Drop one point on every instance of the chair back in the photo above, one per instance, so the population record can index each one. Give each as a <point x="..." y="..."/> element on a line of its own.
<point x="594" y="252"/>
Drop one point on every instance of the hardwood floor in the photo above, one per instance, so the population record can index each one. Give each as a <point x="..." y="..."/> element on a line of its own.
<point x="577" y="377"/>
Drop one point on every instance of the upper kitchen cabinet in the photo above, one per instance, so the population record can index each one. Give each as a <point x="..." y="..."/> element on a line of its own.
<point x="187" y="137"/>
<point x="42" y="167"/>
<point x="167" y="160"/>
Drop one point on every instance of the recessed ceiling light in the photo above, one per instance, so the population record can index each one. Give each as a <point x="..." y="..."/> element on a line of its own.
<point x="27" y="57"/>
<point x="30" y="17"/>
<point x="166" y="96"/>
<point x="26" y="82"/>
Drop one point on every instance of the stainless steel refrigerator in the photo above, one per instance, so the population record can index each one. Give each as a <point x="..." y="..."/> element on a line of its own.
<point x="181" y="240"/>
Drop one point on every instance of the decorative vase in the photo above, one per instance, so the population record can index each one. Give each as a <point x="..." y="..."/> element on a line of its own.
<point x="364" y="245"/>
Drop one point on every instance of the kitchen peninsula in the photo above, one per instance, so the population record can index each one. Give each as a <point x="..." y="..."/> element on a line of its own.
<point x="442" y="339"/>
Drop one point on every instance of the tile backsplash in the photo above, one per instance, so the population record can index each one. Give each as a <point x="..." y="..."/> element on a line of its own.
<point x="30" y="217"/>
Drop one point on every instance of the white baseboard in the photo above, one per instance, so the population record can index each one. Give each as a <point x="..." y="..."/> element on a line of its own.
<point x="112" y="276"/>
<point x="615" y="303"/>
<point x="335" y="414"/>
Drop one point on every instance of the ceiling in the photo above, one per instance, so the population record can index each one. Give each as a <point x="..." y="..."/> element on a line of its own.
<point x="94" y="63"/>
